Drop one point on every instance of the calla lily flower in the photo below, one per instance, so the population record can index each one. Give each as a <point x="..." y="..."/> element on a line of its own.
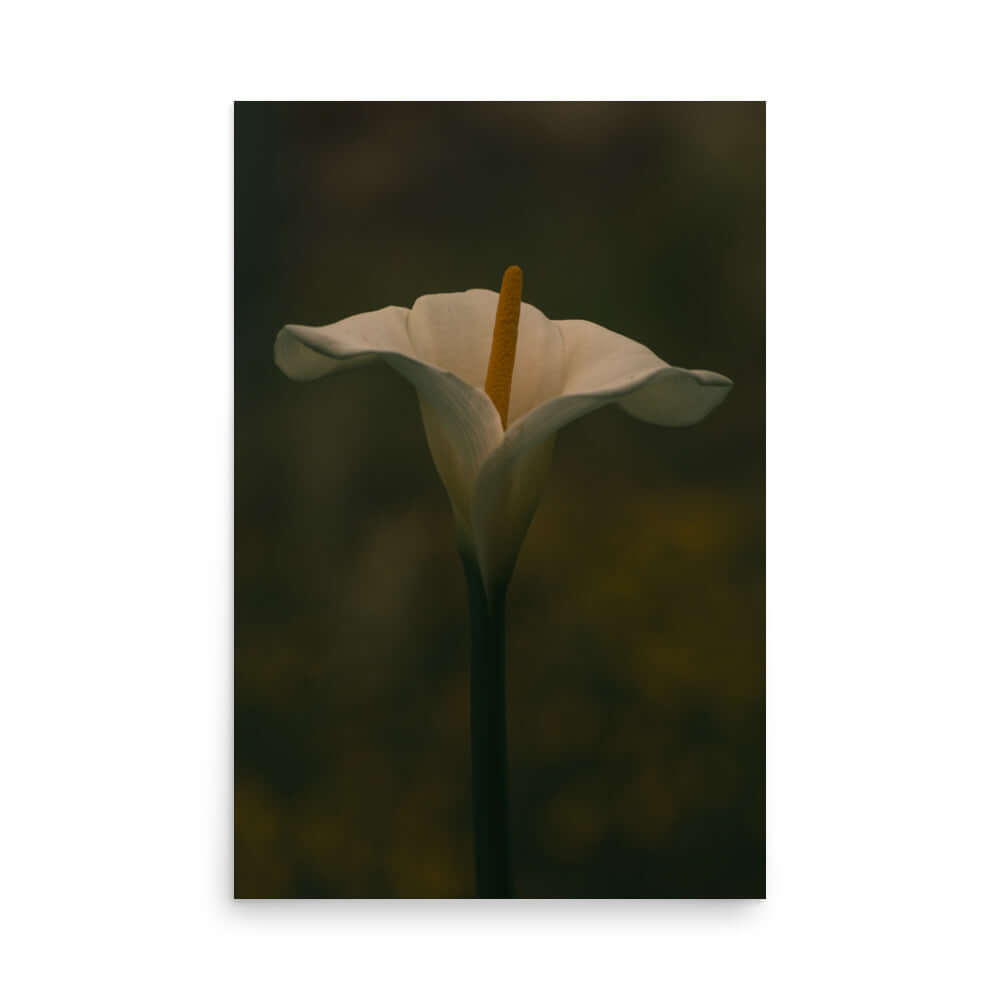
<point x="492" y="403"/>
<point x="493" y="453"/>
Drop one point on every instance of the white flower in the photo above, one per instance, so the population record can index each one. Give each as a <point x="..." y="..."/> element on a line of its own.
<point x="493" y="468"/>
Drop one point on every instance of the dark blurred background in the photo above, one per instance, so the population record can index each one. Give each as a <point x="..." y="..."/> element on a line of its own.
<point x="636" y="612"/>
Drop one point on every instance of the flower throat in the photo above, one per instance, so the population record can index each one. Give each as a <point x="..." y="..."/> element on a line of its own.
<point x="500" y="371"/>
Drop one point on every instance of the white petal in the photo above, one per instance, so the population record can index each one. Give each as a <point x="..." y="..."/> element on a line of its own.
<point x="601" y="368"/>
<point x="507" y="494"/>
<point x="461" y="422"/>
<point x="607" y="367"/>
<point x="454" y="332"/>
<point x="310" y="352"/>
<point x="677" y="397"/>
<point x="463" y="428"/>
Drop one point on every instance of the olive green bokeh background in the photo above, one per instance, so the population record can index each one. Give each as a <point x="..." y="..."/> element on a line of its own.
<point x="636" y="613"/>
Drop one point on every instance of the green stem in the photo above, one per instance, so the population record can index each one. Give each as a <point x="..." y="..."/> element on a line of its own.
<point x="489" y="736"/>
